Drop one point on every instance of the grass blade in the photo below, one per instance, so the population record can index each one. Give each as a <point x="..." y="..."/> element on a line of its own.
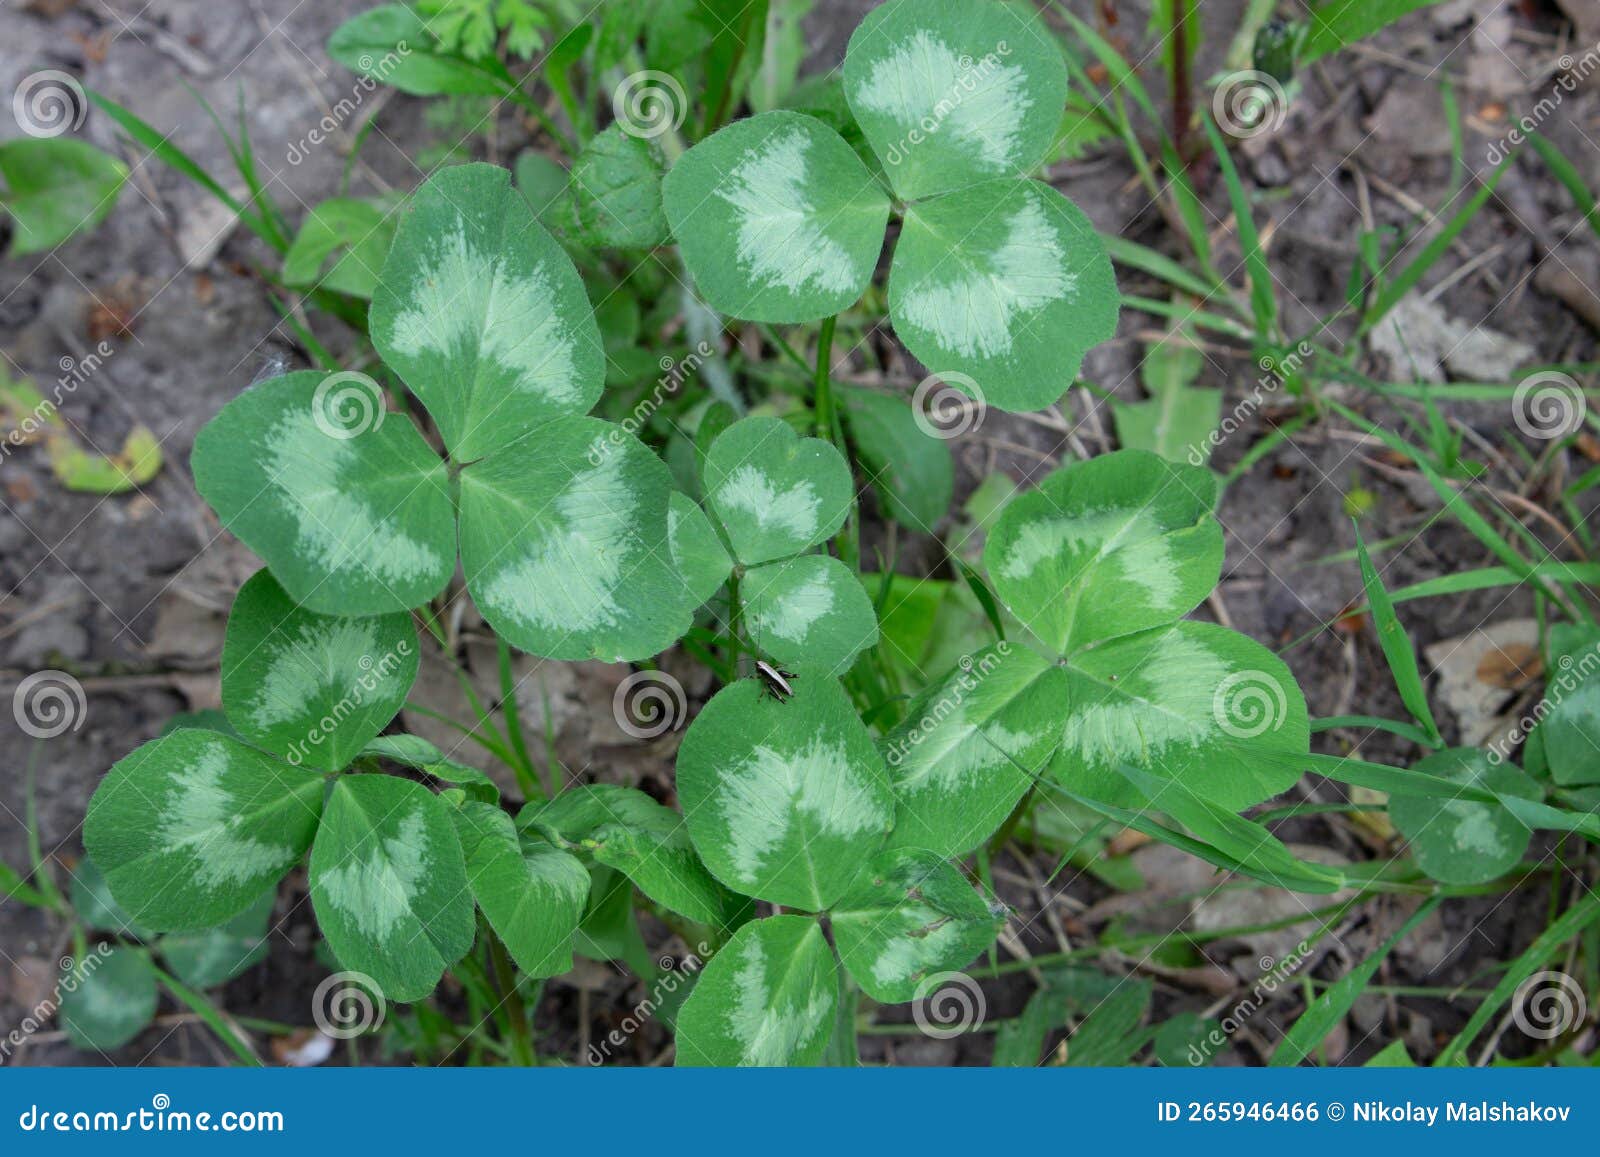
<point x="1331" y="1007"/>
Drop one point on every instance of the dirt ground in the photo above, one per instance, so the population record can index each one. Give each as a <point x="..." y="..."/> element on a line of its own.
<point x="129" y="593"/>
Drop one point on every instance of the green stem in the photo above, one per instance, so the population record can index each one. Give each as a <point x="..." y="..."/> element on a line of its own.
<point x="824" y="382"/>
<point x="735" y="621"/>
<point x="505" y="977"/>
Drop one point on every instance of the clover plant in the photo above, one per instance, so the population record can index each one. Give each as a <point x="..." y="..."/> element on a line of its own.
<point x="817" y="834"/>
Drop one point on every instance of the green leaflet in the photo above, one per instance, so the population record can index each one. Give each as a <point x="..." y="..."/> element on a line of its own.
<point x="359" y="231"/>
<point x="809" y="612"/>
<point x="191" y="828"/>
<point x="389" y="884"/>
<point x="483" y="315"/>
<point x="1007" y="283"/>
<point x="777" y="219"/>
<point x="53" y="187"/>
<point x="392" y="44"/>
<point x="963" y="757"/>
<point x="766" y="999"/>
<point x="775" y="492"/>
<point x="783" y="797"/>
<point x="1459" y="841"/>
<point x="616" y="191"/>
<point x="532" y="893"/>
<point x="909" y="916"/>
<point x="1176" y="424"/>
<point x="312" y="688"/>
<point x="1107" y="547"/>
<point x="564" y="545"/>
<point x="1570" y="732"/>
<point x="953" y="92"/>
<point x="625" y="829"/>
<point x="1192" y="704"/>
<point x="696" y="550"/>
<point x="415" y="752"/>
<point x="1178" y="420"/>
<point x="96" y="907"/>
<point x="352" y="519"/>
<point x="204" y="959"/>
<point x="108" y="998"/>
<point x="911" y="470"/>
<point x="544" y="183"/>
